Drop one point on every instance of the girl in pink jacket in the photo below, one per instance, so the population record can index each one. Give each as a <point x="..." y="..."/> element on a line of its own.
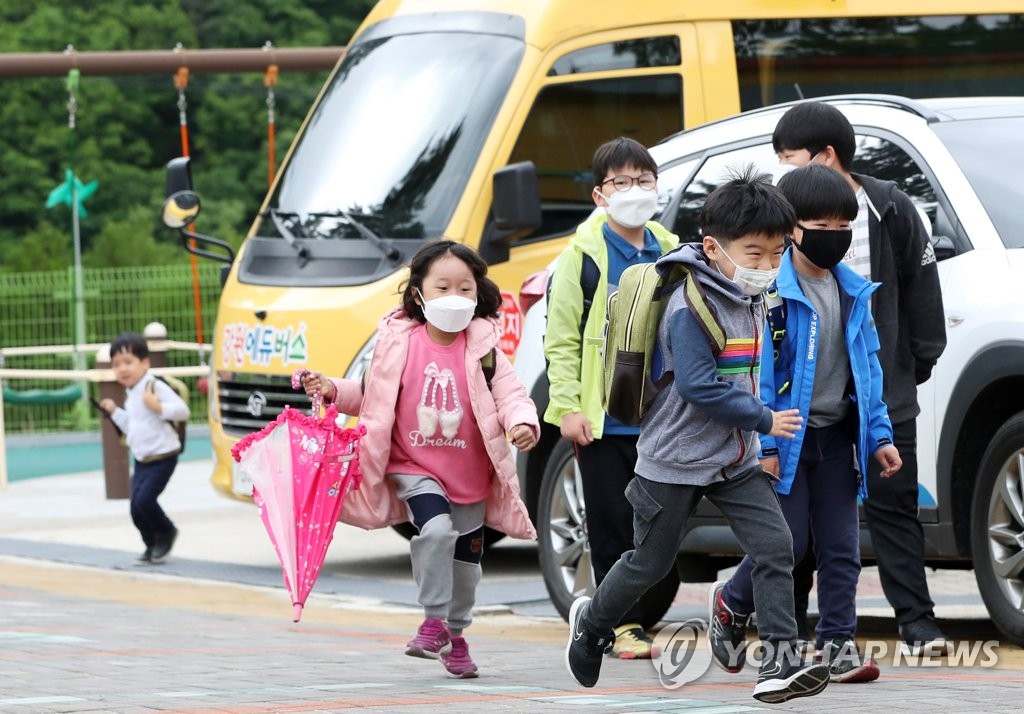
<point x="435" y="451"/>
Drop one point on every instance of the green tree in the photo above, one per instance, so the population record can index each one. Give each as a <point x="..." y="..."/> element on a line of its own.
<point x="127" y="126"/>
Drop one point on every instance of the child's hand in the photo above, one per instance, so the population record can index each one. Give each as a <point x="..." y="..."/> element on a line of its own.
<point x="150" y="399"/>
<point x="316" y="382"/>
<point x="576" y="428"/>
<point x="108" y="405"/>
<point x="889" y="457"/>
<point x="523" y="437"/>
<point x="770" y="464"/>
<point x="786" y="423"/>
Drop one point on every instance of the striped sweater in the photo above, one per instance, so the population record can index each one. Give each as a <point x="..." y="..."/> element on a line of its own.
<point x="703" y="428"/>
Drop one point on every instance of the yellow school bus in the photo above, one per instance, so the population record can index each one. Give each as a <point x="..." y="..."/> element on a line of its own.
<point x="477" y="120"/>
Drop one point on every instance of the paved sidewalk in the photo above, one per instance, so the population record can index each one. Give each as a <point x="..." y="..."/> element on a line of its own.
<point x="83" y="630"/>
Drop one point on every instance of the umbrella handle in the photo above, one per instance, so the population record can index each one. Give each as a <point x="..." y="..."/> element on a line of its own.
<point x="317" y="400"/>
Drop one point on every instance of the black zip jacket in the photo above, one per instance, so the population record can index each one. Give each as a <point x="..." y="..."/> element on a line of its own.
<point x="908" y="306"/>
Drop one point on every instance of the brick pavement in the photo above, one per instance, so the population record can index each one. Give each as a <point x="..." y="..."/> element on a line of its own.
<point x="78" y="639"/>
<point x="81" y="630"/>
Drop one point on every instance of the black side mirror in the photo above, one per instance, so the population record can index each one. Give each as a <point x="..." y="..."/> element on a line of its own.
<point x="179" y="176"/>
<point x="516" y="204"/>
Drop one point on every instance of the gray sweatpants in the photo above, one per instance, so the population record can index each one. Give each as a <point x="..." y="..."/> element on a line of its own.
<point x="660" y="512"/>
<point x="445" y="562"/>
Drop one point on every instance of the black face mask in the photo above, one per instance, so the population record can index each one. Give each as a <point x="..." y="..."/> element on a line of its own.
<point x="823" y="247"/>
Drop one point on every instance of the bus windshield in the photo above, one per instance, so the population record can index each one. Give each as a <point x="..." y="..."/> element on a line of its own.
<point x="395" y="136"/>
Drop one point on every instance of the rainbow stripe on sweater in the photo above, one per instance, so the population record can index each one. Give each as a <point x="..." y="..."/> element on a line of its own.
<point x="738" y="355"/>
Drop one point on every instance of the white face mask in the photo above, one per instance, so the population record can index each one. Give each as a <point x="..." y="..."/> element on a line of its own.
<point x="451" y="313"/>
<point x="750" y="280"/>
<point x="633" y="207"/>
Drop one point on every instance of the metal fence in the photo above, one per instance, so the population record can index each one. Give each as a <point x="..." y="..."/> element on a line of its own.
<point x="36" y="309"/>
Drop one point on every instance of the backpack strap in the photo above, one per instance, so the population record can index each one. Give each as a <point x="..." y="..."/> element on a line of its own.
<point x="589" y="275"/>
<point x="489" y="366"/>
<point x="775" y="312"/>
<point x="696" y="300"/>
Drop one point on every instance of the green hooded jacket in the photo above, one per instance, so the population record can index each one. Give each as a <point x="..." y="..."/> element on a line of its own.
<point x="575" y="366"/>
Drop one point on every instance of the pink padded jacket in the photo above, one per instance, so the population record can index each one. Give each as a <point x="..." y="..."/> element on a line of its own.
<point x="374" y="504"/>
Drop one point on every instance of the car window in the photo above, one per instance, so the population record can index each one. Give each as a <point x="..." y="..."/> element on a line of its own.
<point x="715" y="171"/>
<point x="569" y="120"/>
<point x="876" y="156"/>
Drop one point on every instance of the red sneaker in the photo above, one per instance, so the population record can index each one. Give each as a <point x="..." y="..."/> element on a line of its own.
<point x="457" y="660"/>
<point x="431" y="640"/>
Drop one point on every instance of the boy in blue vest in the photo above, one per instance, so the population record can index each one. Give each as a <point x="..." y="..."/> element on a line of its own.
<point x="698" y="439"/>
<point x="826" y="366"/>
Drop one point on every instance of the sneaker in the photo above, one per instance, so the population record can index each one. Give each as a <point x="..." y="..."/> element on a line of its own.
<point x="846" y="664"/>
<point x="923" y="636"/>
<point x="727" y="632"/>
<point x="146" y="558"/>
<point x="431" y="641"/>
<point x="457" y="660"/>
<point x="584" y="649"/>
<point x="631" y="642"/>
<point x="782" y="678"/>
<point x="163" y="546"/>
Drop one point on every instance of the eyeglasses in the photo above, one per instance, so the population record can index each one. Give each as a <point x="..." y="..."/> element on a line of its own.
<point x="647" y="181"/>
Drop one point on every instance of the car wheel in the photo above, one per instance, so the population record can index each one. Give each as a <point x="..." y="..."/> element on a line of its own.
<point x="997" y="529"/>
<point x="564" y="551"/>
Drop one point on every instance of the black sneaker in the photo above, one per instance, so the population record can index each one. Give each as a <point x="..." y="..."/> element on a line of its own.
<point x="846" y="664"/>
<point x="923" y="636"/>
<point x="727" y="632"/>
<point x="163" y="546"/>
<point x="146" y="558"/>
<point x="784" y="676"/>
<point x="585" y="650"/>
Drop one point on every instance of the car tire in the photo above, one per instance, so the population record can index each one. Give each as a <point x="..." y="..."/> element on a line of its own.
<point x="563" y="549"/>
<point x="997" y="528"/>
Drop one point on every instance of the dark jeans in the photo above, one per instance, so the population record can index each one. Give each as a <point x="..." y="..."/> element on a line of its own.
<point x="606" y="468"/>
<point x="822" y="501"/>
<point x="751" y="507"/>
<point x="896" y="535"/>
<point x="148" y="482"/>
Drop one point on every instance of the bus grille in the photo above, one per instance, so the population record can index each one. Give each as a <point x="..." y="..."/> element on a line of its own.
<point x="248" y="402"/>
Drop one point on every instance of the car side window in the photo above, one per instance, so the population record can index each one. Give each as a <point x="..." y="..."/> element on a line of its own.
<point x="716" y="170"/>
<point x="884" y="159"/>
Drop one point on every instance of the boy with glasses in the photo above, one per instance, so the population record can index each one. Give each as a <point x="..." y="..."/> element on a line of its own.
<point x="625" y="185"/>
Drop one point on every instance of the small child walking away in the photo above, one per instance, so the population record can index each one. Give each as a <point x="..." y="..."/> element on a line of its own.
<point x="150" y="407"/>
<point x="699" y="439"/>
<point x="437" y="404"/>
<point x="827" y="367"/>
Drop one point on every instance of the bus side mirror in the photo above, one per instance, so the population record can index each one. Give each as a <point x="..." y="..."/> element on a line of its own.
<point x="180" y="209"/>
<point x="516" y="204"/>
<point x="179" y="176"/>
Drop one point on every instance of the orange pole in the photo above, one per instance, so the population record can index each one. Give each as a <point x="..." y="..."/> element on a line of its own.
<point x="270" y="81"/>
<point x="181" y="83"/>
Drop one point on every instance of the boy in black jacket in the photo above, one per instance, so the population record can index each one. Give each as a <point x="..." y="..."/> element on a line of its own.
<point x="891" y="247"/>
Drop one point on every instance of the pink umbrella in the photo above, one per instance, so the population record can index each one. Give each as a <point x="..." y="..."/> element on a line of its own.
<point x="301" y="468"/>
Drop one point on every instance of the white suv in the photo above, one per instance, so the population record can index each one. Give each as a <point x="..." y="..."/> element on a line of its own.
<point x="956" y="159"/>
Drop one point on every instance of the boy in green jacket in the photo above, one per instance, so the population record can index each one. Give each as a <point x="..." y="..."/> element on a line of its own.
<point x="626" y="186"/>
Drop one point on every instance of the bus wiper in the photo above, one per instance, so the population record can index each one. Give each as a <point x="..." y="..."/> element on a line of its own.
<point x="289" y="237"/>
<point x="389" y="251"/>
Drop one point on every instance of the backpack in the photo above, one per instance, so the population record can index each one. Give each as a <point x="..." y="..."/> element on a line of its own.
<point x="181" y="389"/>
<point x="635" y="310"/>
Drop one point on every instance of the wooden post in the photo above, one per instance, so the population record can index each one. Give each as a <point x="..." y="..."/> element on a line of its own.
<point x="156" y="338"/>
<point x="115" y="454"/>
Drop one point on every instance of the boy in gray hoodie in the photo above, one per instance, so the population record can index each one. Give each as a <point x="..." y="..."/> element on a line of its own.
<point x="698" y="439"/>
